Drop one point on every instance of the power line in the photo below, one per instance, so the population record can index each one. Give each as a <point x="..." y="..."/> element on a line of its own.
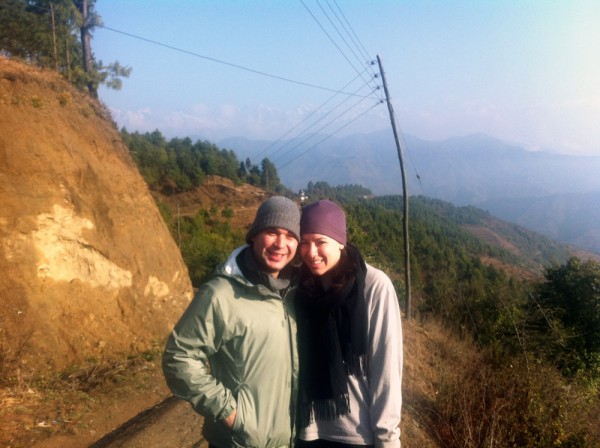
<point x="350" y="63"/>
<point x="336" y="92"/>
<point x="353" y="38"/>
<point x="324" y="126"/>
<point x="285" y="79"/>
<point x="360" y="45"/>
<point x="230" y="64"/>
<point x="305" y="118"/>
<point x="338" y="32"/>
<point x="412" y="162"/>
<point x="344" y="26"/>
<point x="330" y="135"/>
<point x="322" y="118"/>
<point x="366" y="59"/>
<point x="328" y="35"/>
<point x="320" y="129"/>
<point x="404" y="145"/>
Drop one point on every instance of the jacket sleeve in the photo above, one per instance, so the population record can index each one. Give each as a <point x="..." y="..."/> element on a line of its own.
<point x="385" y="359"/>
<point x="198" y="335"/>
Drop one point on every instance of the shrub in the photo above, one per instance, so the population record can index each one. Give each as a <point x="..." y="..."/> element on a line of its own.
<point x="520" y="405"/>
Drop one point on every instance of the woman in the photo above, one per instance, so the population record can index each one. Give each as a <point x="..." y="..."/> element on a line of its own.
<point x="349" y="337"/>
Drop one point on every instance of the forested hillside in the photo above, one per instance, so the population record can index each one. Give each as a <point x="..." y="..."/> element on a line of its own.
<point x="179" y="166"/>
<point x="573" y="218"/>
<point x="530" y="309"/>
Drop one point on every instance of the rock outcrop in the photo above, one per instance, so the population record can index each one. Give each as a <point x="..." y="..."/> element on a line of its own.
<point x="88" y="269"/>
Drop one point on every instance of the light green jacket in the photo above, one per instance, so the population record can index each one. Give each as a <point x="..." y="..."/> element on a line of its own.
<point x="247" y="335"/>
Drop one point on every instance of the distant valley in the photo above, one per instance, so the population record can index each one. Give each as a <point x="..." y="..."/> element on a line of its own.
<point x="557" y="195"/>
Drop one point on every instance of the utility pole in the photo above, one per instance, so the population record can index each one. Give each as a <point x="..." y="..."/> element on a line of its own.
<point x="404" y="192"/>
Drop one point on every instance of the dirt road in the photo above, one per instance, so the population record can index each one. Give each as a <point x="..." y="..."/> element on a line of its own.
<point x="171" y="423"/>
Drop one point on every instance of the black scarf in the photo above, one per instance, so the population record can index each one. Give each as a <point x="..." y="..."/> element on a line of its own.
<point x="332" y="337"/>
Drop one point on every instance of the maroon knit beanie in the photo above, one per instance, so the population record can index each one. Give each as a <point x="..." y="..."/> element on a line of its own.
<point x="325" y="218"/>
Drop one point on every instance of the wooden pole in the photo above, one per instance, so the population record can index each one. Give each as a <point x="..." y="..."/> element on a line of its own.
<point x="54" y="37"/>
<point x="404" y="192"/>
<point x="86" y="48"/>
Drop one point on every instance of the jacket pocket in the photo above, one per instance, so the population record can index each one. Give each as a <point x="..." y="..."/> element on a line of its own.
<point x="244" y="432"/>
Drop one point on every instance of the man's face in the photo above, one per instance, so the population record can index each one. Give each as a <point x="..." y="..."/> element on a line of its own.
<point x="274" y="249"/>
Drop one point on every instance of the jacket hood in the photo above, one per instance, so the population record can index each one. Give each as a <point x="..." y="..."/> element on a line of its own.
<point x="231" y="267"/>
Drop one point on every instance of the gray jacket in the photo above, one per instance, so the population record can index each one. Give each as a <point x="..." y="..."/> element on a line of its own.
<point x="247" y="335"/>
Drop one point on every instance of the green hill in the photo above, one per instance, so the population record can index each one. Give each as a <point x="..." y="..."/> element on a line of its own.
<point x="489" y="282"/>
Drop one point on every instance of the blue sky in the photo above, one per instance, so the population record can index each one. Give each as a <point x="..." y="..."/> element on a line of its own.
<point x="525" y="71"/>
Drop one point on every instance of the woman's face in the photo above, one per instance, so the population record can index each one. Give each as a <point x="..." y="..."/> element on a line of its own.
<point x="319" y="252"/>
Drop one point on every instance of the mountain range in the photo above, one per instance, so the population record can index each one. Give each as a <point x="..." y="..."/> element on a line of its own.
<point x="555" y="194"/>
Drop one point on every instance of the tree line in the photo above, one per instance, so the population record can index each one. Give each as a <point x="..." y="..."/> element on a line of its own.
<point x="179" y="164"/>
<point x="56" y="34"/>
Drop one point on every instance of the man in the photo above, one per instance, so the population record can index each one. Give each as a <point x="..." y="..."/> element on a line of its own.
<point x="241" y="323"/>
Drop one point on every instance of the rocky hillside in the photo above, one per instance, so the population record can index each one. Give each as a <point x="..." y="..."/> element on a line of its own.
<point x="83" y="248"/>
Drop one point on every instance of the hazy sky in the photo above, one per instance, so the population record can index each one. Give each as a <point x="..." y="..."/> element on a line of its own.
<point x="524" y="71"/>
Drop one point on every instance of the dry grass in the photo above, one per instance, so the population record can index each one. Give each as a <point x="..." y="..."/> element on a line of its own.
<point x="79" y="405"/>
<point x="478" y="404"/>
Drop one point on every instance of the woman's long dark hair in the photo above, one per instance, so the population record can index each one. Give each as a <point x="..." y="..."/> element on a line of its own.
<point x="342" y="273"/>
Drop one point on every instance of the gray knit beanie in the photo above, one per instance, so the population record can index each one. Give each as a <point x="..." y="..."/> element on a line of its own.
<point x="325" y="218"/>
<point x="276" y="212"/>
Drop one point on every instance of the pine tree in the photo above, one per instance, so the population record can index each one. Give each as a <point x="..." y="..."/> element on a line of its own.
<point x="44" y="32"/>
